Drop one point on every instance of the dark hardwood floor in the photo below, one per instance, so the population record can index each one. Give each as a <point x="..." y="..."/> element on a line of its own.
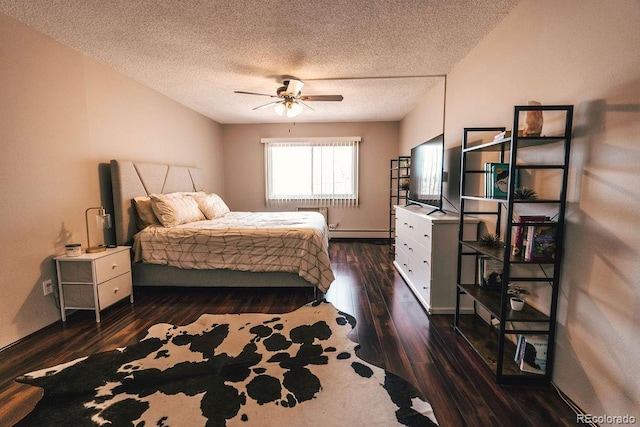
<point x="392" y="328"/>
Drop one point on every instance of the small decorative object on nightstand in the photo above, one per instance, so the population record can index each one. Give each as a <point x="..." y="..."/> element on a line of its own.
<point x="94" y="281"/>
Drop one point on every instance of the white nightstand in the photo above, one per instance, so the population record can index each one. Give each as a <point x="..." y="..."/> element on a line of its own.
<point x="94" y="281"/>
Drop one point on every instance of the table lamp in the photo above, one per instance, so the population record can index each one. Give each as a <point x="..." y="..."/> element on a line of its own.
<point x="103" y="220"/>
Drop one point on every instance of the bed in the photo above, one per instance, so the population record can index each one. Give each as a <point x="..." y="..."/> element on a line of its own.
<point x="219" y="248"/>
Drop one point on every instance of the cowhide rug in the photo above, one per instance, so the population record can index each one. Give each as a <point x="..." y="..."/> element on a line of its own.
<point x="295" y="369"/>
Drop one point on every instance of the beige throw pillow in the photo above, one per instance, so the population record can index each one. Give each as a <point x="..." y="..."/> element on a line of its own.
<point x="175" y="208"/>
<point x="211" y="205"/>
<point x="145" y="215"/>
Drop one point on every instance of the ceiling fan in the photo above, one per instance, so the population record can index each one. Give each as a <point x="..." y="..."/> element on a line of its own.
<point x="290" y="99"/>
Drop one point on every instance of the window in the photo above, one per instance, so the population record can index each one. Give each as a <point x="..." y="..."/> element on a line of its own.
<point x="312" y="171"/>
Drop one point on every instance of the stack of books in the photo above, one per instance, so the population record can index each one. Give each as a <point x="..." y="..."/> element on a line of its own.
<point x="531" y="353"/>
<point x="497" y="180"/>
<point x="536" y="242"/>
<point x="541" y="243"/>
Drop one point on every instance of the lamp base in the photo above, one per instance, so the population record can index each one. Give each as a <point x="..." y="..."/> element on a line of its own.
<point x="96" y="249"/>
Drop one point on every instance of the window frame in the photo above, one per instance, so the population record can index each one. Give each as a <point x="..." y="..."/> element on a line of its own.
<point x="328" y="199"/>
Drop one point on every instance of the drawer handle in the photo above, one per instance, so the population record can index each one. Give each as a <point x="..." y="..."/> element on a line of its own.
<point x="114" y="266"/>
<point x="411" y="249"/>
<point x="411" y="226"/>
<point x="115" y="290"/>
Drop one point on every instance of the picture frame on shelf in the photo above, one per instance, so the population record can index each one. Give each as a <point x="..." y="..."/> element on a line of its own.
<point x="490" y="273"/>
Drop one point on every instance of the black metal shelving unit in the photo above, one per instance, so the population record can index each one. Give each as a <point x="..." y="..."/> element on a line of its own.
<point x="493" y="329"/>
<point x="400" y="170"/>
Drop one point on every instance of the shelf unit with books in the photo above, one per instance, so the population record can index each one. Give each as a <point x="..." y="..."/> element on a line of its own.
<point x="400" y="170"/>
<point x="526" y="229"/>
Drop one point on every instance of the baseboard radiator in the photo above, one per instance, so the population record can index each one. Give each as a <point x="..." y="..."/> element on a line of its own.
<point x="323" y="210"/>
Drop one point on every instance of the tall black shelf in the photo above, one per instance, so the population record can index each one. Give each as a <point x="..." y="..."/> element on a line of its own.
<point x="400" y="170"/>
<point x="493" y="328"/>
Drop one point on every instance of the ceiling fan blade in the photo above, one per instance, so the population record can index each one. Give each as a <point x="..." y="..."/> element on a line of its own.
<point x="270" y="104"/>
<point x="322" y="98"/>
<point x="254" y="93"/>
<point x="294" y="87"/>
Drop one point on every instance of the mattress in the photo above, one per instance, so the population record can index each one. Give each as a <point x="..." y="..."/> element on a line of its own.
<point x="295" y="242"/>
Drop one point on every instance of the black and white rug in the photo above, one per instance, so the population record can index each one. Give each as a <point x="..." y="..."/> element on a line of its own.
<point x="295" y="369"/>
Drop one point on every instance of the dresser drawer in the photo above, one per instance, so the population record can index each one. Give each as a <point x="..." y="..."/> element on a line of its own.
<point x="114" y="290"/>
<point x="422" y="232"/>
<point x="112" y="265"/>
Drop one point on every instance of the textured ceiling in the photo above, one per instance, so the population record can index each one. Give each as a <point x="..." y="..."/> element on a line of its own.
<point x="198" y="52"/>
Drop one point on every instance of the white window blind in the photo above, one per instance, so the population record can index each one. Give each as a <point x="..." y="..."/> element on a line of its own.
<point x="311" y="171"/>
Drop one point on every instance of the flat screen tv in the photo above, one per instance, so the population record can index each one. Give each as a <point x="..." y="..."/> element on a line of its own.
<point x="425" y="181"/>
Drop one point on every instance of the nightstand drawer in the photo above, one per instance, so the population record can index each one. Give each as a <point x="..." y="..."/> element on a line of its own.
<point x="114" y="290"/>
<point x="113" y="265"/>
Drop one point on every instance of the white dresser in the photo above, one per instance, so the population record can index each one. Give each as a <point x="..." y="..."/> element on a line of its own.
<point x="94" y="281"/>
<point x="426" y="256"/>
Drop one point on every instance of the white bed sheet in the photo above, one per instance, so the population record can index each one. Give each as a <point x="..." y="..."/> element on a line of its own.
<point x="294" y="242"/>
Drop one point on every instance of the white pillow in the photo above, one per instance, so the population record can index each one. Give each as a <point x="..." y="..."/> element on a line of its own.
<point x="175" y="208"/>
<point x="211" y="205"/>
<point x="145" y="215"/>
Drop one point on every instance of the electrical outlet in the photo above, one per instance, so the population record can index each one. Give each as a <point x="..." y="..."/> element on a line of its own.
<point x="47" y="287"/>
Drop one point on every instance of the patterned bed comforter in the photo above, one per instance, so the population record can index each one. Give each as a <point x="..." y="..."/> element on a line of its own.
<point x="295" y="242"/>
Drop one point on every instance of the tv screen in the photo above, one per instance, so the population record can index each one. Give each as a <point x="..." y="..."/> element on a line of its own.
<point x="425" y="181"/>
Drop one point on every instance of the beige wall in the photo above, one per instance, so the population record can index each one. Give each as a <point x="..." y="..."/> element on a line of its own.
<point x="425" y="121"/>
<point x="244" y="170"/>
<point x="582" y="53"/>
<point x="62" y="116"/>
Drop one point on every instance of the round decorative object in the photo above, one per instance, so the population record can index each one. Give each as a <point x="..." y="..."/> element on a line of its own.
<point x="73" y="249"/>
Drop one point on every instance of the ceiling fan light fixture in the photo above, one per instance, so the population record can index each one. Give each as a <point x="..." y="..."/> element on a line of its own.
<point x="279" y="108"/>
<point x="289" y="99"/>
<point x="293" y="109"/>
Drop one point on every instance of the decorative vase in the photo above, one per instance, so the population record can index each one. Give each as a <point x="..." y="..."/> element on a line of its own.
<point x="533" y="121"/>
<point x="517" y="304"/>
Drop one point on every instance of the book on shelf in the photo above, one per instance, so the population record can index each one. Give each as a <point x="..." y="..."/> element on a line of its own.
<point x="519" y="239"/>
<point x="517" y="357"/>
<point x="490" y="273"/>
<point x="502" y="135"/>
<point x="541" y="242"/>
<point x="497" y="180"/>
<point x="531" y="353"/>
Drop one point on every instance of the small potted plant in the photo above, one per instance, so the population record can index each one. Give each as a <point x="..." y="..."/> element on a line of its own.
<point x="490" y="240"/>
<point x="525" y="193"/>
<point x="516" y="301"/>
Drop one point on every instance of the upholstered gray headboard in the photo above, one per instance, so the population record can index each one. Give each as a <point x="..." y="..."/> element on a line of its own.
<point x="133" y="179"/>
